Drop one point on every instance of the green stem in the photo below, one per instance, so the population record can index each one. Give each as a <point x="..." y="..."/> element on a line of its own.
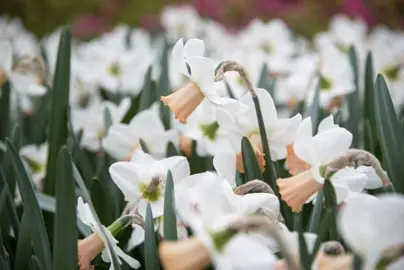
<point x="316" y="214"/>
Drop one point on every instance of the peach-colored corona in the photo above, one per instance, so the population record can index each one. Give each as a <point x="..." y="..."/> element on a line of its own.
<point x="88" y="249"/>
<point x="184" y="101"/>
<point x="186" y="145"/>
<point x="190" y="254"/>
<point x="295" y="164"/>
<point x="297" y="189"/>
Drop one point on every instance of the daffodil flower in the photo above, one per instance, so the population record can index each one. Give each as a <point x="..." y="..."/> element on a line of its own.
<point x="122" y="140"/>
<point x="90" y="247"/>
<point x="142" y="180"/>
<point x="370" y="226"/>
<point x="36" y="157"/>
<point x="280" y="132"/>
<point x="200" y="72"/>
<point x="91" y="121"/>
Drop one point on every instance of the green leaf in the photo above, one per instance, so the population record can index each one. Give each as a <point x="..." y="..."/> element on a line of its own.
<point x="331" y="206"/>
<point x="265" y="82"/>
<point x="316" y="214"/>
<point x="12" y="213"/>
<point x="389" y="134"/>
<point x="150" y="243"/>
<point x="370" y="129"/>
<point x="107" y="119"/>
<point x="170" y="220"/>
<point x="354" y="104"/>
<point x="305" y="257"/>
<point x="338" y="118"/>
<point x="81" y="158"/>
<point x="5" y="110"/>
<point x="101" y="201"/>
<point x="38" y="230"/>
<point x="144" y="146"/>
<point x="133" y="109"/>
<point x="228" y="89"/>
<point x="323" y="231"/>
<point x="65" y="234"/>
<point x="269" y="172"/>
<point x="15" y="139"/>
<point x="36" y="263"/>
<point x="251" y="167"/>
<point x="314" y="110"/>
<point x="163" y="86"/>
<point x="58" y="131"/>
<point x="41" y="118"/>
<point x="24" y="248"/>
<point x="171" y="150"/>
<point x="147" y="95"/>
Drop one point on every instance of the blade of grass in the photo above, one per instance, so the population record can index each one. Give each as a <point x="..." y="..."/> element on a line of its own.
<point x="170" y="219"/>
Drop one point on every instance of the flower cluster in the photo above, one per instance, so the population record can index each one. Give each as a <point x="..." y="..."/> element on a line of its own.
<point x="231" y="150"/>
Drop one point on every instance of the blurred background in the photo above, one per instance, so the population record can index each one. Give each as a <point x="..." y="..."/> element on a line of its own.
<point x="92" y="17"/>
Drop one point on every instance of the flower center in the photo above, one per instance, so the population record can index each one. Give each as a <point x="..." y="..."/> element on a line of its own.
<point x="221" y="238"/>
<point x="325" y="83"/>
<point x="391" y="72"/>
<point x="100" y="134"/>
<point x="240" y="81"/>
<point x="266" y="47"/>
<point x="151" y="192"/>
<point x="181" y="29"/>
<point x="35" y="166"/>
<point x="114" y="69"/>
<point x="210" y="130"/>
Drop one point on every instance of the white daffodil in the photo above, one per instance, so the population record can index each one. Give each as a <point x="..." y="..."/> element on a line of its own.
<point x="202" y="126"/>
<point x="335" y="77"/>
<point x="91" y="121"/>
<point x="37" y="157"/>
<point x="343" y="33"/>
<point x="90" y="247"/>
<point x="313" y="155"/>
<point x="210" y="206"/>
<point x="26" y="77"/>
<point x="371" y="226"/>
<point x="273" y="40"/>
<point x="200" y="72"/>
<point x="122" y="140"/>
<point x="142" y="180"/>
<point x="280" y="132"/>
<point x="181" y="21"/>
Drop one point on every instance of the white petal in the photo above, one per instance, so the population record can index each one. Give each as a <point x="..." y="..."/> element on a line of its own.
<point x="303" y="139"/>
<point x="147" y="123"/>
<point x="326" y="124"/>
<point x="140" y="157"/>
<point x="178" y="58"/>
<point x="373" y="180"/>
<point x="265" y="201"/>
<point x="121" y="141"/>
<point x="178" y="166"/>
<point x="136" y="238"/>
<point x="202" y="73"/>
<point x="131" y="261"/>
<point x="128" y="177"/>
<point x="194" y="47"/>
<point x="6" y="56"/>
<point x="225" y="165"/>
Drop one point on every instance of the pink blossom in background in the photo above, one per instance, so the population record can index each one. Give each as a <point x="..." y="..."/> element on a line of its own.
<point x="358" y="8"/>
<point x="89" y="25"/>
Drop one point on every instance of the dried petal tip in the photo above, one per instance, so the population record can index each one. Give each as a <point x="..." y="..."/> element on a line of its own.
<point x="260" y="159"/>
<point x="297" y="189"/>
<point x="184" y="101"/>
<point x="88" y="249"/>
<point x="254" y="186"/>
<point x="189" y="254"/>
<point x="333" y="248"/>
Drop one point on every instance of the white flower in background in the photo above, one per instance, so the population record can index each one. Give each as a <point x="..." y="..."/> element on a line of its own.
<point x="295" y="87"/>
<point x="203" y="127"/>
<point x="93" y="245"/>
<point x="201" y="81"/>
<point x="91" y="121"/>
<point x="26" y="78"/>
<point x="335" y="76"/>
<point x="37" y="157"/>
<point x="273" y="40"/>
<point x="210" y="207"/>
<point x="371" y="226"/>
<point x="343" y="32"/>
<point x="142" y="180"/>
<point x="122" y="140"/>
<point x="280" y="132"/>
<point x="180" y="21"/>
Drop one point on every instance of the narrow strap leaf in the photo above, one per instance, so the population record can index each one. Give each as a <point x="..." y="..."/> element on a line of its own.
<point x="251" y="167"/>
<point x="170" y="219"/>
<point x="150" y="243"/>
<point x="24" y="248"/>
